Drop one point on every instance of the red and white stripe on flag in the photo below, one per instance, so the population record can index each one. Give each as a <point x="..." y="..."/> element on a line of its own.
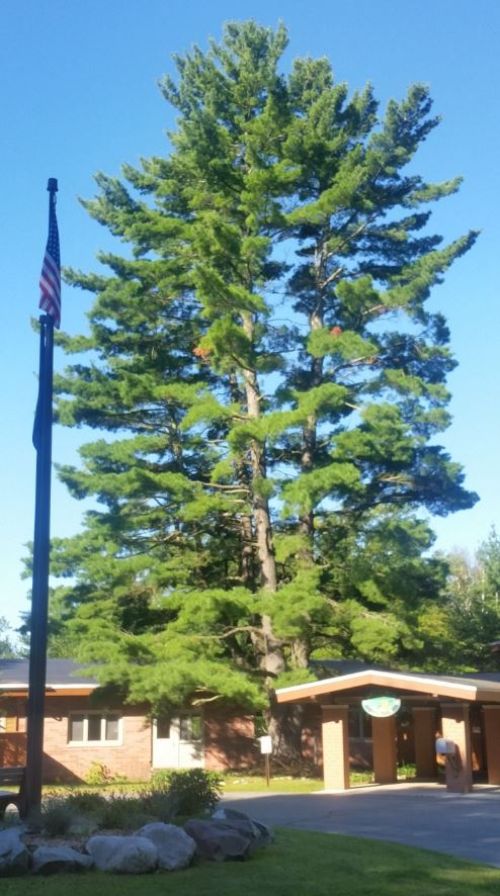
<point x="50" y="278"/>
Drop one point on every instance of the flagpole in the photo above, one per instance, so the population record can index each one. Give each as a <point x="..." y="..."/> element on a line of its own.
<point x="41" y="551"/>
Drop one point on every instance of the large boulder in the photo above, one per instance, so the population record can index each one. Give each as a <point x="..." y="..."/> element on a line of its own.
<point x="259" y="833"/>
<point x="175" y="848"/>
<point x="218" y="841"/>
<point x="51" y="859"/>
<point x="14" y="854"/>
<point x="123" y="855"/>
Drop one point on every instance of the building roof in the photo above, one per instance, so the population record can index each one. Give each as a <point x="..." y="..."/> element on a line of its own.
<point x="62" y="675"/>
<point x="477" y="688"/>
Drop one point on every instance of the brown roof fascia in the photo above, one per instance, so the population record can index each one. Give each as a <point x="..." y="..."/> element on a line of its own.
<point x="487" y="696"/>
<point x="50" y="691"/>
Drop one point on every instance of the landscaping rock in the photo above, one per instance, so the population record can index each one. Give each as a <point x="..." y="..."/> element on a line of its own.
<point x="217" y="841"/>
<point x="259" y="833"/>
<point x="14" y="855"/>
<point x="52" y="859"/>
<point x="123" y="855"/>
<point x="175" y="848"/>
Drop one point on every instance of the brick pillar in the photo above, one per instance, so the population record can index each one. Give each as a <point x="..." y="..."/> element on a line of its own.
<point x="385" y="754"/>
<point x="456" y="727"/>
<point x="492" y="742"/>
<point x="335" y="735"/>
<point x="425" y="727"/>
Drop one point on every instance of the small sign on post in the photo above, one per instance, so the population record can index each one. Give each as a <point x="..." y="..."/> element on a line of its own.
<point x="266" y="748"/>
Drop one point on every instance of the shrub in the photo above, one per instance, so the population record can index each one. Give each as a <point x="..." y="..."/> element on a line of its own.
<point x="86" y="802"/>
<point x="99" y="774"/>
<point x="57" y="817"/>
<point x="123" y="814"/>
<point x="160" y="804"/>
<point x="192" y="791"/>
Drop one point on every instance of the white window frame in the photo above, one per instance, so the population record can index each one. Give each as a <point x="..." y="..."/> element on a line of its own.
<point x="85" y="742"/>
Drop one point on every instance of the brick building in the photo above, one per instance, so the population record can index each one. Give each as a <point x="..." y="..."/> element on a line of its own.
<point x="82" y="728"/>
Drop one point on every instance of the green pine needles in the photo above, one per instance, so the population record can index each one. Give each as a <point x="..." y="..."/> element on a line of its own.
<point x="267" y="385"/>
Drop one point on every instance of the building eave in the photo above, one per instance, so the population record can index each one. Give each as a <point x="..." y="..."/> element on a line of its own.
<point x="432" y="686"/>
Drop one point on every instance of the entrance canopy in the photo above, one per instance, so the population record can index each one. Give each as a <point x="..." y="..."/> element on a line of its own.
<point x="434" y="687"/>
<point x="451" y="715"/>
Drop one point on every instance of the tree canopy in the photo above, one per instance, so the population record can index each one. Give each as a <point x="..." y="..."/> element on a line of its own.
<point x="461" y="630"/>
<point x="267" y="385"/>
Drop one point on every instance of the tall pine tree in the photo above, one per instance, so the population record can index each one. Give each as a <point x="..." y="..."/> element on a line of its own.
<point x="267" y="384"/>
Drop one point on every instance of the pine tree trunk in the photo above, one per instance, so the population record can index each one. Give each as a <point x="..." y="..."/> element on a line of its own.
<point x="271" y="659"/>
<point x="247" y="540"/>
<point x="285" y="727"/>
<point x="260" y="504"/>
<point x="309" y="436"/>
<point x="247" y="557"/>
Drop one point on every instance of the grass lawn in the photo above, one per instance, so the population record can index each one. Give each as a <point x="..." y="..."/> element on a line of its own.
<point x="232" y="783"/>
<point x="299" y="863"/>
<point x="241" y="783"/>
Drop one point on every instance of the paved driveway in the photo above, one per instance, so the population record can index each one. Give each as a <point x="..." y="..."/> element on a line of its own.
<point x="424" y="816"/>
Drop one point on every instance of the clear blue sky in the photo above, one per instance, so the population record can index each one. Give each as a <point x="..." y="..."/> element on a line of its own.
<point x="79" y="94"/>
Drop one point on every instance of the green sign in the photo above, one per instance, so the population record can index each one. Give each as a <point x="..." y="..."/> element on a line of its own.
<point x="381" y="707"/>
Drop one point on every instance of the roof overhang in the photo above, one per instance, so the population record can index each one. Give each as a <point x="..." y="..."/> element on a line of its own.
<point x="435" y="687"/>
<point x="78" y="689"/>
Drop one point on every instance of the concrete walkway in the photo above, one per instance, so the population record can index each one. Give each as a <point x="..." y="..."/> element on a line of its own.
<point x="425" y="816"/>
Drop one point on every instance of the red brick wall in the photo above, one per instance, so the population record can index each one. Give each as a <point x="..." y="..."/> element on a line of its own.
<point x="230" y="742"/>
<point x="360" y="749"/>
<point x="13" y="740"/>
<point x="66" y="762"/>
<point x="63" y="761"/>
<point x="229" y="739"/>
<point x="12" y="748"/>
<point x="311" y="739"/>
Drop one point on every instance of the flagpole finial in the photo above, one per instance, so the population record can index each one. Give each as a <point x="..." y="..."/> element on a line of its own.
<point x="52" y="185"/>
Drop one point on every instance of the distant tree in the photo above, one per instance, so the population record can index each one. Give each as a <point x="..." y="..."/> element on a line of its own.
<point x="267" y="385"/>
<point x="459" y="630"/>
<point x="488" y="557"/>
<point x="8" y="649"/>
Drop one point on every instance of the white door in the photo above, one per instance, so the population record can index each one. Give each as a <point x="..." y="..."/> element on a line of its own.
<point x="178" y="742"/>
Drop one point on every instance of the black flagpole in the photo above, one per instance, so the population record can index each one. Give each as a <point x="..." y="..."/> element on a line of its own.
<point x="41" y="550"/>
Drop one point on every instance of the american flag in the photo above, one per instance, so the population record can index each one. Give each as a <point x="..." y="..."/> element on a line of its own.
<point x="50" y="278"/>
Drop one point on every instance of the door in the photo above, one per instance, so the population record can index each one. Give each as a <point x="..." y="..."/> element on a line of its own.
<point x="178" y="741"/>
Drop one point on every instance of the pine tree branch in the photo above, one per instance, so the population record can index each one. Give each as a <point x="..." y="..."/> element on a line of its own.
<point x="221" y="487"/>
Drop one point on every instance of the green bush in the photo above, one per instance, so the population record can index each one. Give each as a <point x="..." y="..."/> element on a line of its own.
<point x="86" y="802"/>
<point x="98" y="774"/>
<point x="160" y="804"/>
<point x="57" y="817"/>
<point x="171" y="793"/>
<point x="123" y="814"/>
<point x="192" y="791"/>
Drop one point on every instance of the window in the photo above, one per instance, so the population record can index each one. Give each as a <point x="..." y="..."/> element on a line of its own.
<point x="190" y="728"/>
<point x="94" y="728"/>
<point x="163" y="727"/>
<point x="360" y="724"/>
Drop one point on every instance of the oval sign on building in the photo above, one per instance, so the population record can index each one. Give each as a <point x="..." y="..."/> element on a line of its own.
<point x="381" y="707"/>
